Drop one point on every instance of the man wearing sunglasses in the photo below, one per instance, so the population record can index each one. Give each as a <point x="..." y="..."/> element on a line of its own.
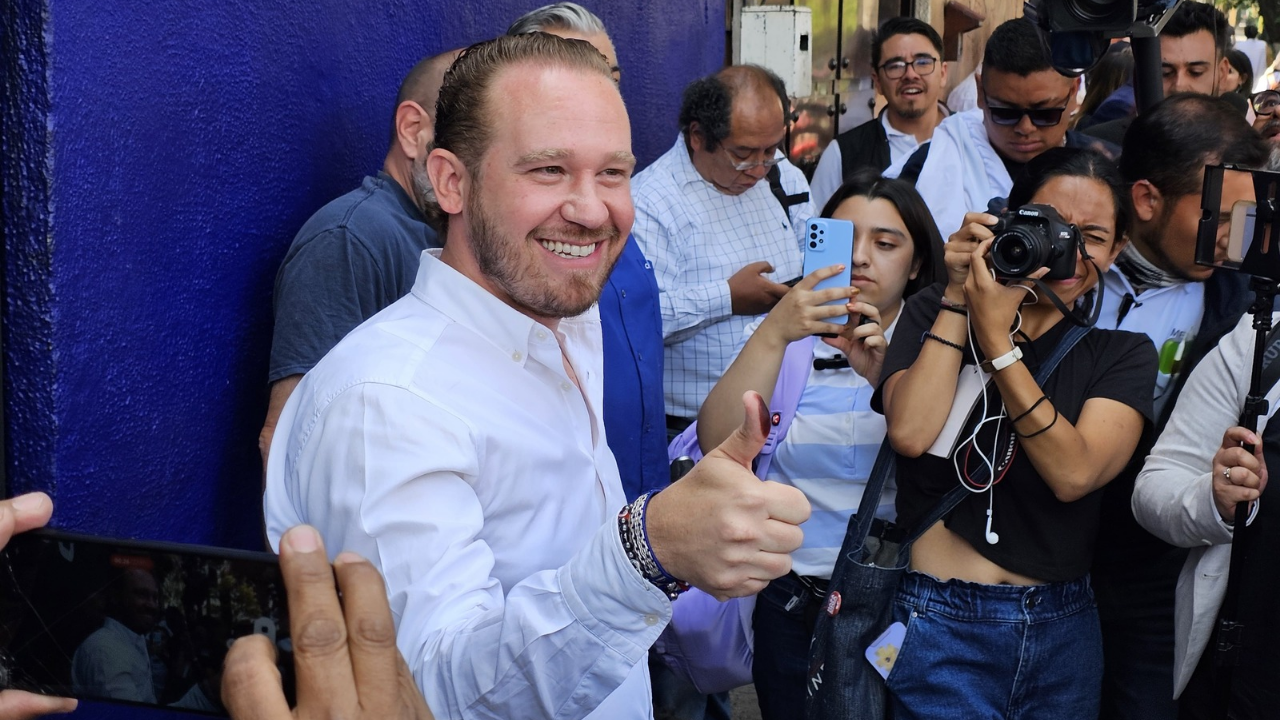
<point x="1024" y="108"/>
<point x="908" y="71"/>
<point x="720" y="240"/>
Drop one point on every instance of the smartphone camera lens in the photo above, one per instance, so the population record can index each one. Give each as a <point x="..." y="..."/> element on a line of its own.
<point x="813" y="236"/>
<point x="813" y="244"/>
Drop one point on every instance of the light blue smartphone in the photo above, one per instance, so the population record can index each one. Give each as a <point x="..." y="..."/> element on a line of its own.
<point x="829" y="242"/>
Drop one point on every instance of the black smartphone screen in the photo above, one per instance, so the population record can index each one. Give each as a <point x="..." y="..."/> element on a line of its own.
<point x="135" y="622"/>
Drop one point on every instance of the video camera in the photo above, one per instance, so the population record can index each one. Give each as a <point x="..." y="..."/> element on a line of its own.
<point x="1080" y="30"/>
<point x="1238" y="225"/>
<point x="1032" y="237"/>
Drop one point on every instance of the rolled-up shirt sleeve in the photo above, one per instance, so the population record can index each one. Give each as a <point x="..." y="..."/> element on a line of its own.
<point x="389" y="474"/>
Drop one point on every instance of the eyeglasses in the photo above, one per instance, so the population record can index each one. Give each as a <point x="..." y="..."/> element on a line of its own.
<point x="745" y="165"/>
<point x="895" y="69"/>
<point x="1040" y="117"/>
<point x="1266" y="102"/>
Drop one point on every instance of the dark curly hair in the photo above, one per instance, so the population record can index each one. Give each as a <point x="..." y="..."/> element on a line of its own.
<point x="709" y="101"/>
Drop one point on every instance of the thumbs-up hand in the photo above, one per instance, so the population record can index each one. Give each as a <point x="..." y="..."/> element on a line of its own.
<point x="720" y="528"/>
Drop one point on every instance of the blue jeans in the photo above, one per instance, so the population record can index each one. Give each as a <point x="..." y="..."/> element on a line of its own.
<point x="996" y="651"/>
<point x="783" y="625"/>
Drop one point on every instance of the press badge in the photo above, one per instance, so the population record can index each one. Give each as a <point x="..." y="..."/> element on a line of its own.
<point x="883" y="653"/>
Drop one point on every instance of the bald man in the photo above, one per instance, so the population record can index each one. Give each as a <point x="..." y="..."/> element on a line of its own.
<point x="721" y="243"/>
<point x="359" y="253"/>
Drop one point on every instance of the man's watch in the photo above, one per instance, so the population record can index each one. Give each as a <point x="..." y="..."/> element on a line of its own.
<point x="1001" y="362"/>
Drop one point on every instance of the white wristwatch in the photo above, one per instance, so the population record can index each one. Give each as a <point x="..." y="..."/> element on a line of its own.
<point x="1003" y="361"/>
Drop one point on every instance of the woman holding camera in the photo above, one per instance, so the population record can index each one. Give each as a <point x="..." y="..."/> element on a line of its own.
<point x="999" y="615"/>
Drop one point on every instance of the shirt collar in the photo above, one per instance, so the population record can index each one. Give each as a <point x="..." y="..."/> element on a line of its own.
<point x="684" y="171"/>
<point x="460" y="299"/>
<point x="889" y="129"/>
<point x="410" y="207"/>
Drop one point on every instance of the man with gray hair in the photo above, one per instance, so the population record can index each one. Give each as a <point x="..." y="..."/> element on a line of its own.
<point x="571" y="21"/>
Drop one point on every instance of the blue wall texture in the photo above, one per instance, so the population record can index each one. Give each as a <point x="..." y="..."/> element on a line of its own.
<point x="157" y="160"/>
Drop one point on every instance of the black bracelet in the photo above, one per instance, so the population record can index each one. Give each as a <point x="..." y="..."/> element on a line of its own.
<point x="1031" y="409"/>
<point x="954" y="308"/>
<point x="938" y="338"/>
<point x="1041" y="430"/>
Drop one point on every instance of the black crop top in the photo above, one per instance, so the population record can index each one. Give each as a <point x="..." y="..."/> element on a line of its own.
<point x="1040" y="536"/>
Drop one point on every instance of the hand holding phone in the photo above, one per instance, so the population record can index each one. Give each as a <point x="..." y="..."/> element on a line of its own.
<point x="830" y="242"/>
<point x="27" y="512"/>
<point x="369" y="679"/>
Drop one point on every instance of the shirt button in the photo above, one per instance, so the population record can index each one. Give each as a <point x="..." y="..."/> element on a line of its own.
<point x="566" y="387"/>
<point x="650" y="619"/>
<point x="542" y="335"/>
<point x="516" y="356"/>
<point x="624" y="293"/>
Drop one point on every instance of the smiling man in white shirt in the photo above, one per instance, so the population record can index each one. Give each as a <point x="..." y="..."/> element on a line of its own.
<point x="456" y="440"/>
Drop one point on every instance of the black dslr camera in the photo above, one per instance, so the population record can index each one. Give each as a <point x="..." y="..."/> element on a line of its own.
<point x="1032" y="237"/>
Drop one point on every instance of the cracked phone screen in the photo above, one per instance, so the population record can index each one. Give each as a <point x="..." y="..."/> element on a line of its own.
<point x="133" y="622"/>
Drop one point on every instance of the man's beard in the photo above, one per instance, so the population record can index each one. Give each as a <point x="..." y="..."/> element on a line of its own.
<point x="507" y="262"/>
<point x="424" y="195"/>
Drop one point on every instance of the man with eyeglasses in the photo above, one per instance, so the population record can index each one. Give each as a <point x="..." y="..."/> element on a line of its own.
<point x="1266" y="120"/>
<point x="1024" y="108"/>
<point x="722" y="242"/>
<point x="908" y="71"/>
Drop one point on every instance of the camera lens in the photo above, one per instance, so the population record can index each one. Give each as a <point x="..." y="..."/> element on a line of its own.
<point x="1015" y="254"/>
<point x="813" y="244"/>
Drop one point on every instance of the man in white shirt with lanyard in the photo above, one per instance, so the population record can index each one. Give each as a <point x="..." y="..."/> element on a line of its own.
<point x="456" y="440"/>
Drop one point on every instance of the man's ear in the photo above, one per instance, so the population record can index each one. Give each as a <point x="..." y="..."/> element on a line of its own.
<point x="982" y="92"/>
<point x="875" y="81"/>
<point x="1147" y="200"/>
<point x="414" y="129"/>
<point x="1073" y="103"/>
<point x="696" y="141"/>
<point x="449" y="179"/>
<point x="1224" y="70"/>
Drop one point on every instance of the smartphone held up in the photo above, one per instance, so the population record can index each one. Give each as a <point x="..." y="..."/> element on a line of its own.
<point x="133" y="622"/>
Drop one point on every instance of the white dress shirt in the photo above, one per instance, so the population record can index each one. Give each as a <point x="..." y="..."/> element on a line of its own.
<point x="697" y="237"/>
<point x="829" y="175"/>
<point x="113" y="662"/>
<point x="1170" y="316"/>
<point x="962" y="173"/>
<point x="444" y="441"/>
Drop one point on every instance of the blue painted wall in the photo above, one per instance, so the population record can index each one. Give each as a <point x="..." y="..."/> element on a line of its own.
<point x="157" y="160"/>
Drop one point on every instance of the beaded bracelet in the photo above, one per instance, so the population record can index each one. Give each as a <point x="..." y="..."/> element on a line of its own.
<point x="634" y="532"/>
<point x="939" y="338"/>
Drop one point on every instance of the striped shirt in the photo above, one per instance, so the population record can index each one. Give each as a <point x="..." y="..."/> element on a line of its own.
<point x="827" y="454"/>
<point x="697" y="237"/>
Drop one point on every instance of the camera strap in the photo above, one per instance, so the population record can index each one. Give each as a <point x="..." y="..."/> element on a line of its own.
<point x="1077" y="318"/>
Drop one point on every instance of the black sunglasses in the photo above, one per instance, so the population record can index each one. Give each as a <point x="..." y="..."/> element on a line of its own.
<point x="1040" y="117"/>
